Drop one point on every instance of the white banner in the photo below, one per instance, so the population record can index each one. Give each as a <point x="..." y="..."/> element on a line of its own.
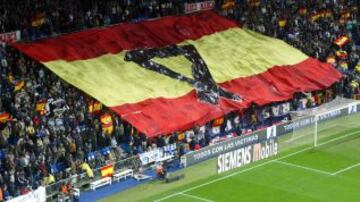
<point x="150" y="156"/>
<point x="38" y="195"/>
<point x="10" y="37"/>
<point x="199" y="6"/>
<point x="169" y="149"/>
<point x="156" y="154"/>
<point x="281" y="109"/>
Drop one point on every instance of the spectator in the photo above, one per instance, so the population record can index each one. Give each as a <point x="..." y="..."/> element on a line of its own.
<point x="160" y="171"/>
<point x="47" y="18"/>
<point x="85" y="167"/>
<point x="49" y="179"/>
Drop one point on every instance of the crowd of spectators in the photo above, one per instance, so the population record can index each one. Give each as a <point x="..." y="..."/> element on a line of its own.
<point x="51" y="17"/>
<point x="39" y="147"/>
<point x="35" y="144"/>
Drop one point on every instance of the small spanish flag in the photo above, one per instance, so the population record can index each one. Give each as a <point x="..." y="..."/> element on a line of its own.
<point x="342" y="41"/>
<point x="94" y="107"/>
<point x="4" y="117"/>
<point x="282" y="22"/>
<point x="341" y="54"/>
<point x="19" y="85"/>
<point x="218" y="122"/>
<point x="107" y="123"/>
<point x="40" y="106"/>
<point x="107" y="171"/>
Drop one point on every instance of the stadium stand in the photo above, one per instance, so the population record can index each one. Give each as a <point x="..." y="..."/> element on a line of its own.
<point x="51" y="130"/>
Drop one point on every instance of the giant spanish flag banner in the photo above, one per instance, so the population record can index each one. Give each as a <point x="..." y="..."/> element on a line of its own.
<point x="172" y="73"/>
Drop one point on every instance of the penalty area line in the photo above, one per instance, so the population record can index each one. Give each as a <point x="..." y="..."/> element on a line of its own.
<point x="303" y="167"/>
<point x="346" y="169"/>
<point x="196" y="197"/>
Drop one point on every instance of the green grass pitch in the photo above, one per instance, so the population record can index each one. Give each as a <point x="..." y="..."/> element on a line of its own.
<point x="300" y="172"/>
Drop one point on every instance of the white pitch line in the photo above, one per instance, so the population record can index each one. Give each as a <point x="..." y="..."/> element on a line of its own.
<point x="346" y="169"/>
<point x="196" y="197"/>
<point x="251" y="168"/>
<point x="303" y="167"/>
